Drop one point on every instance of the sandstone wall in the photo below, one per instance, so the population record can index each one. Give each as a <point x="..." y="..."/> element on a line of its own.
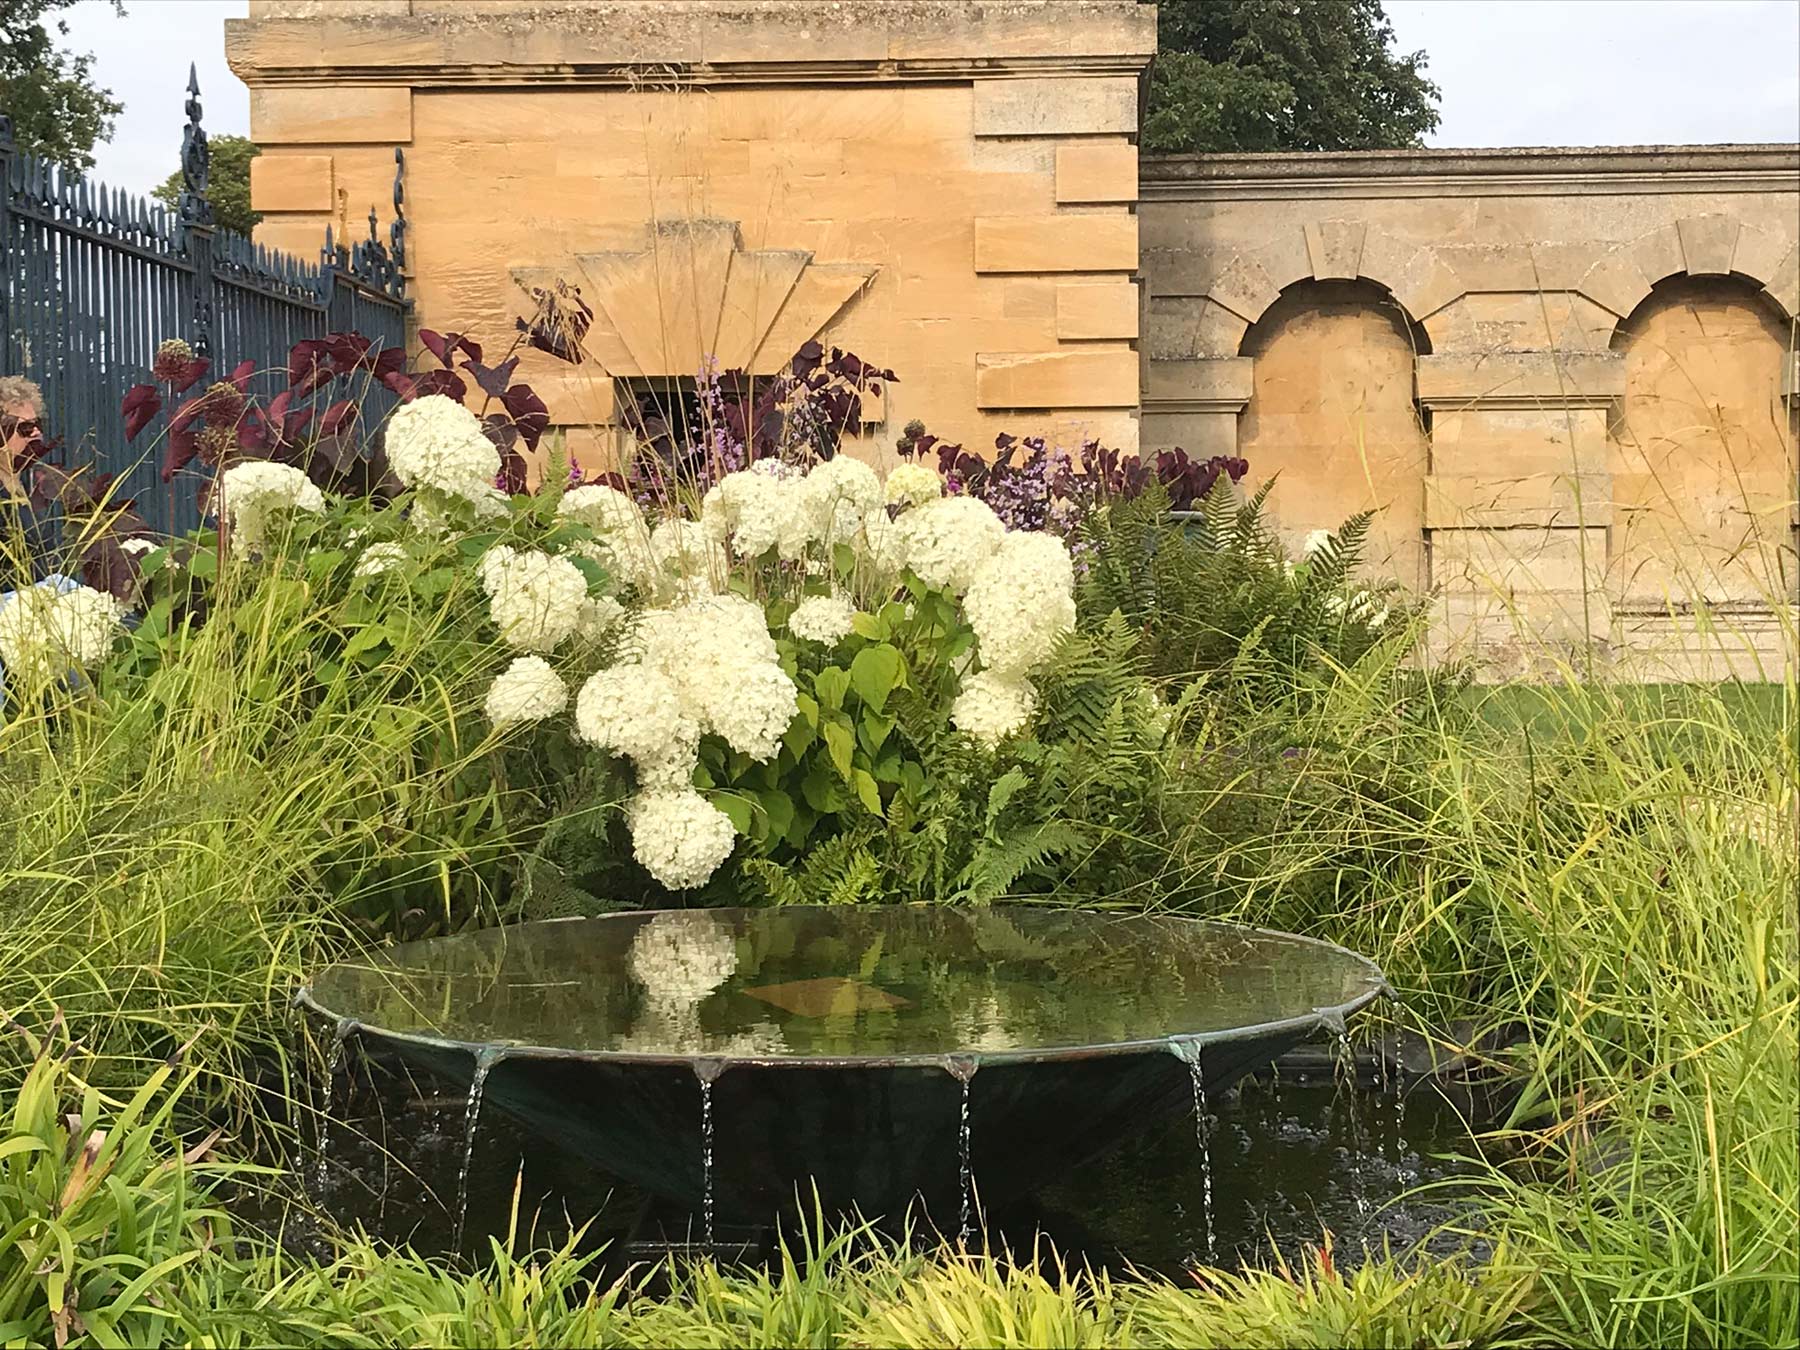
<point x="1565" y="378"/>
<point x="944" y="189"/>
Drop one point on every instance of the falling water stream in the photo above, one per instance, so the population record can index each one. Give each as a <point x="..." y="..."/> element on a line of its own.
<point x="484" y="1064"/>
<point x="1345" y="1100"/>
<point x="707" y="1070"/>
<point x="340" y="1035"/>
<point x="962" y="1068"/>
<point x="1188" y="1052"/>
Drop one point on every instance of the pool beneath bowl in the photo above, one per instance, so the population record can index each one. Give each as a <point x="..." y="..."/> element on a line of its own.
<point x="839" y="1048"/>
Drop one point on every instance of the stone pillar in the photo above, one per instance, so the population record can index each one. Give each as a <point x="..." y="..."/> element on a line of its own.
<point x="1518" y="503"/>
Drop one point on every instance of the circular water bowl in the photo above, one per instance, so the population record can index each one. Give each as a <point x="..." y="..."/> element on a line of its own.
<point x="840" y="1048"/>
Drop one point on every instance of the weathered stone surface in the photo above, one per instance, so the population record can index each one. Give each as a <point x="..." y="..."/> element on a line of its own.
<point x="1104" y="172"/>
<point x="1065" y="379"/>
<point x="1707" y="243"/>
<point x="1220" y="385"/>
<point x="1056" y="107"/>
<point x="1334" y="248"/>
<point x="338" y="115"/>
<point x="1108" y="310"/>
<point x="1055" y="243"/>
<point x="281" y="182"/>
<point x="1547" y="379"/>
<point x="1481" y="501"/>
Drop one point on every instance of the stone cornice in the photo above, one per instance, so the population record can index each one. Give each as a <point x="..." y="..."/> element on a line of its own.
<point x="690" y="43"/>
<point x="1523" y="171"/>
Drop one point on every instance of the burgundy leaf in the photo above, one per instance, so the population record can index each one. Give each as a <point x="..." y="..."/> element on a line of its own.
<point x="492" y="380"/>
<point x="253" y="430"/>
<point x="337" y="417"/>
<point x="183" y="444"/>
<point x="306" y="364"/>
<point x="191" y="374"/>
<point x="348" y="351"/>
<point x="528" y="413"/>
<point x="444" y="346"/>
<point x="142" y="403"/>
<point x="390" y="360"/>
<point x="445" y="382"/>
<point x="240" y="375"/>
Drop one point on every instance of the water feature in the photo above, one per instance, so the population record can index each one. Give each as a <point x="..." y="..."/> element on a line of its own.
<point x="484" y="1065"/>
<point x="612" y="1037"/>
<point x="334" y="1058"/>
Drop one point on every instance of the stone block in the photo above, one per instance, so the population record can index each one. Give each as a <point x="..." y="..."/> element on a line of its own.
<point x="1218" y="385"/>
<point x="1707" y="243"/>
<point x="1245" y="289"/>
<point x="291" y="182"/>
<point x="1427" y="285"/>
<point x="1523" y="440"/>
<point x="1109" y="310"/>
<point x="302" y="236"/>
<point x="1106" y="172"/>
<point x="1658" y="254"/>
<point x="1519" y="561"/>
<point x="1056" y="106"/>
<point x="1487" y="501"/>
<point x="339" y="115"/>
<point x="1759" y="253"/>
<point x="1201" y="434"/>
<point x="1784" y="289"/>
<point x="1062" y="379"/>
<point x="1334" y="248"/>
<point x="1547" y="379"/>
<point x="1056" y="244"/>
<point x="1615" y="282"/>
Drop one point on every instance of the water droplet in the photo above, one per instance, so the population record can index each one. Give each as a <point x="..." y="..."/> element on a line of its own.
<point x="965" y="1172"/>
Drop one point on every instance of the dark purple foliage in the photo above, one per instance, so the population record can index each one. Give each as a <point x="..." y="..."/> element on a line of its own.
<point x="142" y="403"/>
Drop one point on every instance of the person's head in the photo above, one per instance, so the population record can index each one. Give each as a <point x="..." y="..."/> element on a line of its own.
<point x="21" y="419"/>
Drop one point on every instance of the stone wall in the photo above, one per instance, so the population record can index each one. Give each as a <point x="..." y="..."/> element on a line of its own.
<point x="944" y="189"/>
<point x="1565" y="378"/>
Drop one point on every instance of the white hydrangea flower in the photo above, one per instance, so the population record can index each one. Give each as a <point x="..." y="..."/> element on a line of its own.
<point x="991" y="707"/>
<point x="1315" y="540"/>
<point x="258" y="493"/>
<point x="535" y="599"/>
<point x="44" y="632"/>
<point x="759" y="509"/>
<point x="843" y="491"/>
<point x="528" y="690"/>
<point x="822" y="618"/>
<point x="1021" y="602"/>
<point x="635" y="711"/>
<point x="948" y="539"/>
<point x="680" y="838"/>
<point x="599" y="616"/>
<point x="913" y="485"/>
<point x="687" y="562"/>
<point x="883" y="541"/>
<point x="435" y="444"/>
<point x="379" y="558"/>
<point x="682" y="956"/>
<point x="621" y="542"/>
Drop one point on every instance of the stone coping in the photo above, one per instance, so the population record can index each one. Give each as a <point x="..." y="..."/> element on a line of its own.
<point x="701" y="42"/>
<point x="1509" y="170"/>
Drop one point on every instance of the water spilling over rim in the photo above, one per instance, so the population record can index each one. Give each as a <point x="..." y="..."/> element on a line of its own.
<point x="880" y="987"/>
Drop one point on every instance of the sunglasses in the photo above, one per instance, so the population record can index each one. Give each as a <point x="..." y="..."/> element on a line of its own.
<point x="29" y="426"/>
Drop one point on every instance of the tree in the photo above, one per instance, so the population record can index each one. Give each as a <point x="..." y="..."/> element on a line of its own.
<point x="1264" y="75"/>
<point x="228" y="185"/>
<point x="57" y="111"/>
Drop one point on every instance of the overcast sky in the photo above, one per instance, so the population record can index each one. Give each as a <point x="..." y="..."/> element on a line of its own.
<point x="1513" y="72"/>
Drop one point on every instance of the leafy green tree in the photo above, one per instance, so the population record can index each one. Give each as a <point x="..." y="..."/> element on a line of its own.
<point x="57" y="111"/>
<point x="228" y="186"/>
<point x="1266" y="75"/>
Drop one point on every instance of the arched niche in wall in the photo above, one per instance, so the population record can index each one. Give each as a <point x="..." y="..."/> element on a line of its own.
<point x="1332" y="411"/>
<point x="1702" y="450"/>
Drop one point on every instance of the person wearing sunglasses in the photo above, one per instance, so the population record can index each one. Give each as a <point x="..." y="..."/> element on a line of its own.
<point x="21" y="442"/>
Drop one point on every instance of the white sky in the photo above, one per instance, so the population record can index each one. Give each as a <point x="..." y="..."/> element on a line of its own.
<point x="1513" y="72"/>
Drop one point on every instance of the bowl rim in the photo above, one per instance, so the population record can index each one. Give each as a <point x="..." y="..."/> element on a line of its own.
<point x="1183" y="1045"/>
